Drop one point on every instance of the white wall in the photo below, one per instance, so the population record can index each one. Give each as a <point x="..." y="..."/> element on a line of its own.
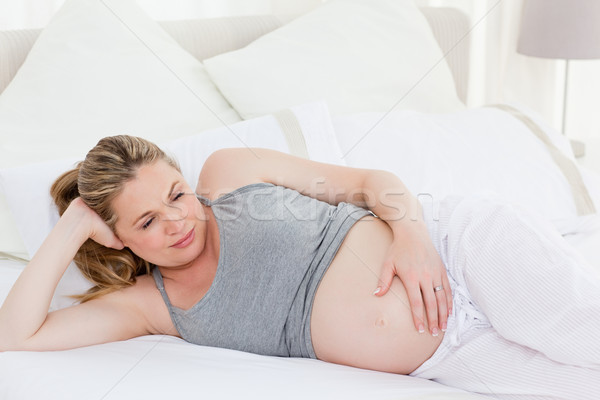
<point x="500" y="74"/>
<point x="15" y="14"/>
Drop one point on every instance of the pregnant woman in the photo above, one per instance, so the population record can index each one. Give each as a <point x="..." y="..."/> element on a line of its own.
<point x="278" y="255"/>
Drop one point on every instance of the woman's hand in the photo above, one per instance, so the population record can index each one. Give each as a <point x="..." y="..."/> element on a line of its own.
<point x="97" y="229"/>
<point x="414" y="259"/>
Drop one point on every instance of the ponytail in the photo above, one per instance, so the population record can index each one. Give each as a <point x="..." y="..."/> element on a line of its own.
<point x="64" y="189"/>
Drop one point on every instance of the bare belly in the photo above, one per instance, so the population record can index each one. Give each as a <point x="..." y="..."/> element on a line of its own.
<point x="351" y="326"/>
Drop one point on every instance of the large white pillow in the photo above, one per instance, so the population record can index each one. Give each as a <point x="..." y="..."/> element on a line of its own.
<point x="303" y="130"/>
<point x="483" y="150"/>
<point x="101" y="68"/>
<point x="10" y="241"/>
<point x="359" y="55"/>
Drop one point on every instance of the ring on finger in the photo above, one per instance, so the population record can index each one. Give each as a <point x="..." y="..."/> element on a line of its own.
<point x="438" y="288"/>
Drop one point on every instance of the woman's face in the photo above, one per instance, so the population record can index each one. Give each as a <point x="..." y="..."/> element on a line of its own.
<point x="159" y="217"/>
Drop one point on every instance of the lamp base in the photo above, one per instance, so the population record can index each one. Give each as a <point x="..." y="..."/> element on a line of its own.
<point x="578" y="148"/>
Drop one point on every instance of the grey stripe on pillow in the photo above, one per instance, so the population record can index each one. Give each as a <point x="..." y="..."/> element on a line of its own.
<point x="10" y="256"/>
<point x="581" y="196"/>
<point x="292" y="132"/>
<point x="14" y="46"/>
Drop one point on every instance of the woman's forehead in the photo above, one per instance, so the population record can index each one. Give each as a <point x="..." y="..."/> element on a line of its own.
<point x="149" y="189"/>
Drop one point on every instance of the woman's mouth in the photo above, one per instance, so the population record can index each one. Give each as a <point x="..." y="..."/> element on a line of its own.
<point x="185" y="241"/>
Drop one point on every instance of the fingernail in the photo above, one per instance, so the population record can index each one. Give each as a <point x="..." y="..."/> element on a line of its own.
<point x="444" y="327"/>
<point x="421" y="329"/>
<point x="377" y="290"/>
<point x="434" y="332"/>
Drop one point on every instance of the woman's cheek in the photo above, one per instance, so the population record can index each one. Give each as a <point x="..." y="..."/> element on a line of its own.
<point x="146" y="245"/>
<point x="156" y="242"/>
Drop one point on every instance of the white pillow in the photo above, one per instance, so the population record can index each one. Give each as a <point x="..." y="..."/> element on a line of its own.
<point x="476" y="151"/>
<point x="10" y="241"/>
<point x="101" y="68"/>
<point x="27" y="188"/>
<point x="359" y="55"/>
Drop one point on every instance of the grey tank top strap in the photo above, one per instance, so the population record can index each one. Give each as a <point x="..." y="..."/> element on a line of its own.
<point x="161" y="286"/>
<point x="204" y="200"/>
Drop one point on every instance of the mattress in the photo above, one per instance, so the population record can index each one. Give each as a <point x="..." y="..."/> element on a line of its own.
<point x="166" y="367"/>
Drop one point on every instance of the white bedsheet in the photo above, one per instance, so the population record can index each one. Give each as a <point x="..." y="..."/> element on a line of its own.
<point x="165" y="367"/>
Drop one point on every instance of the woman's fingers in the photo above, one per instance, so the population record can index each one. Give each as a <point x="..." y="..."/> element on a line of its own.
<point x="442" y="306"/>
<point x="416" y="305"/>
<point x="448" y="294"/>
<point x="413" y="291"/>
<point x="418" y="271"/>
<point x="98" y="230"/>
<point x="443" y="295"/>
<point x="116" y="243"/>
<point x="431" y="301"/>
<point x="431" y="306"/>
<point x="385" y="278"/>
<point x="103" y="235"/>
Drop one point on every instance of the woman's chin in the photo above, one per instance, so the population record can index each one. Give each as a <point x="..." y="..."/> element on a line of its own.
<point x="179" y="259"/>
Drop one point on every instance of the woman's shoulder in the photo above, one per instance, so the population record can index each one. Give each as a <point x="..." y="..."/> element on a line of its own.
<point x="144" y="297"/>
<point x="144" y="293"/>
<point x="225" y="171"/>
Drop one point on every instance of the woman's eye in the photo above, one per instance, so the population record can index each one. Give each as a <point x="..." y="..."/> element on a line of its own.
<point x="177" y="196"/>
<point x="147" y="223"/>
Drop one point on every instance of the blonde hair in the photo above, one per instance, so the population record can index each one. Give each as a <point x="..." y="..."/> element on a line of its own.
<point x="98" y="180"/>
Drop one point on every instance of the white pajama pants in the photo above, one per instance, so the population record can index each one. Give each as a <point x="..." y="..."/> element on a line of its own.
<point x="526" y="317"/>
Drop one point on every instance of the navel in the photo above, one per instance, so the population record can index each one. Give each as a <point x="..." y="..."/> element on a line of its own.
<point x="380" y="322"/>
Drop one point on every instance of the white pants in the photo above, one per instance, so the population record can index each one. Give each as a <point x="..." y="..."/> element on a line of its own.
<point x="526" y="318"/>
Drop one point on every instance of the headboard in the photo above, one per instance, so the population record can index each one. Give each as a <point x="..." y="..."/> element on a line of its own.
<point x="204" y="38"/>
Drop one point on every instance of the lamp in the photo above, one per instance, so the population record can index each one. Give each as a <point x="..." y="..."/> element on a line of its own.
<point x="564" y="29"/>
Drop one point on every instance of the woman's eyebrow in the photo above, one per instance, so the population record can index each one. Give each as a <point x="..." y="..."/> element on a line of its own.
<point x="172" y="188"/>
<point x="150" y="212"/>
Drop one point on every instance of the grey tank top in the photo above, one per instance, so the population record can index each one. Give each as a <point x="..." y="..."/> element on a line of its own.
<point x="275" y="246"/>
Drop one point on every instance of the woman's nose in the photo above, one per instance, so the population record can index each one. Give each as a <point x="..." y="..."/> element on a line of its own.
<point x="173" y="225"/>
<point x="174" y="220"/>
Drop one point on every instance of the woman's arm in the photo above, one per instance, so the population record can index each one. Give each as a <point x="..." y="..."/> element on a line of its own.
<point x="25" y="323"/>
<point x="412" y="256"/>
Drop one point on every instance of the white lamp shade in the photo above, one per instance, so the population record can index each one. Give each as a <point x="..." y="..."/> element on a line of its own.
<point x="568" y="29"/>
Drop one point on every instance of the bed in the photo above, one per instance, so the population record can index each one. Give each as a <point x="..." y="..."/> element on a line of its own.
<point x="375" y="84"/>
